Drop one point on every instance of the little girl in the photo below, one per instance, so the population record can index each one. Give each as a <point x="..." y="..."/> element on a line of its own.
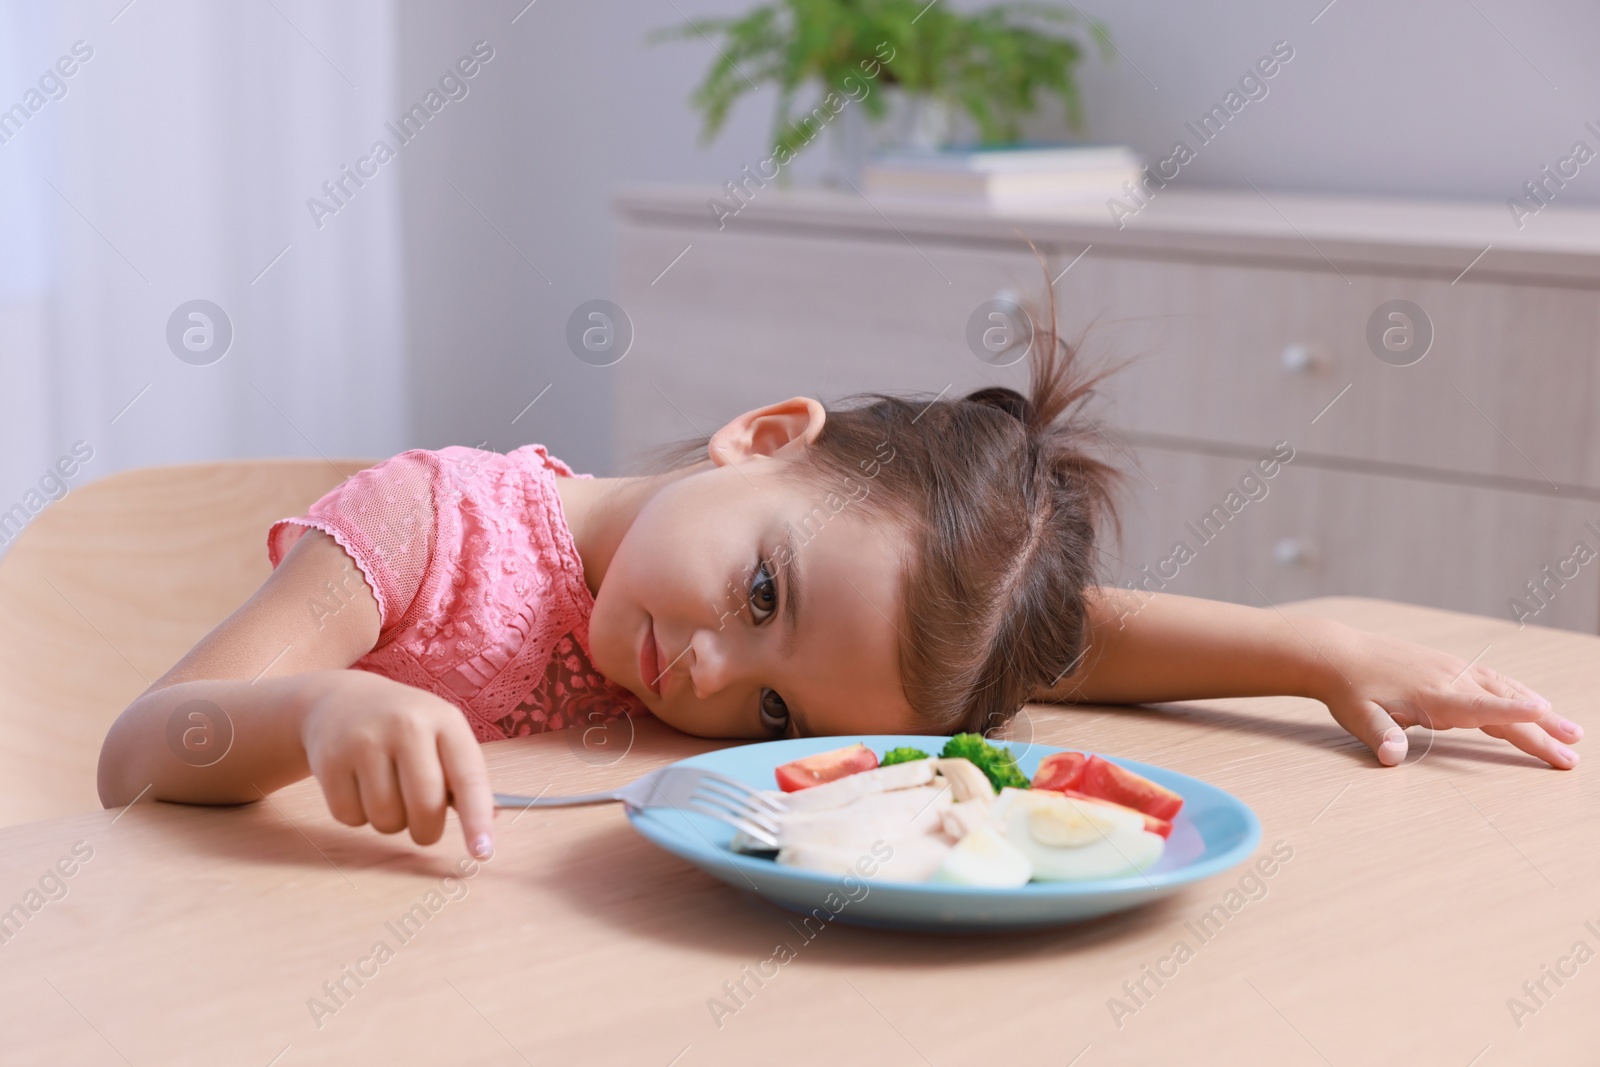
<point x="892" y="565"/>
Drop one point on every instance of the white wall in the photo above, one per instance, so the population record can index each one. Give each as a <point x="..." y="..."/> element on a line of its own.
<point x="1426" y="98"/>
<point x="572" y="102"/>
<point x="171" y="160"/>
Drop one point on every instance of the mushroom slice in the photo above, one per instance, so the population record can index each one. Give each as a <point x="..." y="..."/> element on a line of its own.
<point x="966" y="781"/>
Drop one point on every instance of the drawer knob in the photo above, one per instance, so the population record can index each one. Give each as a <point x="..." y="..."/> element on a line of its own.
<point x="1298" y="358"/>
<point x="1293" y="552"/>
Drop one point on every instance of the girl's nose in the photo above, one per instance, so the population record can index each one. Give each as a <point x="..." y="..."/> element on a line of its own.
<point x="710" y="663"/>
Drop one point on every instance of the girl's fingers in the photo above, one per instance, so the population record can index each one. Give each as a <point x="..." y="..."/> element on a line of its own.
<point x="1535" y="742"/>
<point x="1373" y="727"/>
<point x="1485" y="708"/>
<point x="1505" y="685"/>
<point x="422" y="790"/>
<point x="1555" y="725"/>
<point x="468" y="780"/>
<point x="344" y="798"/>
<point x="380" y="793"/>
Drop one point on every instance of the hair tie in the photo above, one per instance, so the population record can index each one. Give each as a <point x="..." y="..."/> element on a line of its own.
<point x="1007" y="400"/>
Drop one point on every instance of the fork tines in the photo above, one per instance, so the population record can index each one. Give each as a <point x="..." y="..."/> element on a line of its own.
<point x="747" y="793"/>
<point x="739" y="806"/>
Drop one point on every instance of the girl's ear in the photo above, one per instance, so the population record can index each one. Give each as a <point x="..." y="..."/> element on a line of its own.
<point x="789" y="424"/>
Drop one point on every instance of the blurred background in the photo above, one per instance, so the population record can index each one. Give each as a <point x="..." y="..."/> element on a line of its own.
<point x="183" y="159"/>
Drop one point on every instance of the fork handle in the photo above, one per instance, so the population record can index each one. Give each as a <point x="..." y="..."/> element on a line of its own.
<point x="512" y="800"/>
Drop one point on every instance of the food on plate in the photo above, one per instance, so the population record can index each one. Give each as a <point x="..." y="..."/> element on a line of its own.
<point x="842" y="791"/>
<point x="1076" y="774"/>
<point x="1104" y="779"/>
<point x="996" y="762"/>
<point x="1060" y="771"/>
<point x="886" y="815"/>
<point x="967" y="817"/>
<point x="825" y="767"/>
<point x="1151" y="823"/>
<point x="1070" y="840"/>
<point x="985" y="858"/>
<point x="901" y="807"/>
<point x="965" y="780"/>
<point x="913" y="859"/>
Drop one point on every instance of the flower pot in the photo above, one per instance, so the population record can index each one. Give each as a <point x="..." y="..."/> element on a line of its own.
<point x="915" y="122"/>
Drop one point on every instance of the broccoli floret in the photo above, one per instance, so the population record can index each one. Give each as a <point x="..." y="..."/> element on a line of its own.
<point x="997" y="763"/>
<point x="901" y="755"/>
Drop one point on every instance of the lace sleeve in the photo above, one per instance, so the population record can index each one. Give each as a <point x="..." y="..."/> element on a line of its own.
<point x="385" y="518"/>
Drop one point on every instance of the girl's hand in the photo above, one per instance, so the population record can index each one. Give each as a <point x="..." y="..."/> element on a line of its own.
<point x="396" y="757"/>
<point x="1376" y="686"/>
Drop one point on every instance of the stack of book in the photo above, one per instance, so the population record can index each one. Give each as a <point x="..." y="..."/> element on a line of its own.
<point x="1006" y="175"/>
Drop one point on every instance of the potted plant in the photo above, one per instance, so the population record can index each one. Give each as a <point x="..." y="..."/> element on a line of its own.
<point x="917" y="62"/>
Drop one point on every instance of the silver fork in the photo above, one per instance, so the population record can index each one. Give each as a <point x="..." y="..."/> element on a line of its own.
<point x="722" y="798"/>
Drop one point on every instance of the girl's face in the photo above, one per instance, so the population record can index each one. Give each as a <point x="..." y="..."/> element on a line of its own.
<point x="740" y="605"/>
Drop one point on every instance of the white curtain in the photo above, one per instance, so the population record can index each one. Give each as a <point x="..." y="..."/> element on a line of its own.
<point x="174" y="164"/>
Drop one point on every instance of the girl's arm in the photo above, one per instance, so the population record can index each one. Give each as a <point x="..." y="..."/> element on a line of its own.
<point x="265" y="699"/>
<point x="1152" y="647"/>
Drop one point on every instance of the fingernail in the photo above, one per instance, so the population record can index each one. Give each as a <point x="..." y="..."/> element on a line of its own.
<point x="1572" y="728"/>
<point x="482" y="846"/>
<point x="1567" y="752"/>
<point x="1394" y="738"/>
<point x="1534" y="705"/>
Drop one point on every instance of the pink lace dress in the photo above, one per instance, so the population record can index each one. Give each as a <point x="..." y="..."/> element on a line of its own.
<point x="479" y="585"/>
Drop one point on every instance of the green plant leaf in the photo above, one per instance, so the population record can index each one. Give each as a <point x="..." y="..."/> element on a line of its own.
<point x="995" y="65"/>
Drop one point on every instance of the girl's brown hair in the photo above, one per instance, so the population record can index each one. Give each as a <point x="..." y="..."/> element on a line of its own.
<point x="1002" y="501"/>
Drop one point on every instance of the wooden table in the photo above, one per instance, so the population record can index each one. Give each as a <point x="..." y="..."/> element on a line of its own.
<point x="1413" y="905"/>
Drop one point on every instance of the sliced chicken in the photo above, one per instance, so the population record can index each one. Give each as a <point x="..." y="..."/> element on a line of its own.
<point x="910" y="859"/>
<point x="890" y="816"/>
<point x="842" y="791"/>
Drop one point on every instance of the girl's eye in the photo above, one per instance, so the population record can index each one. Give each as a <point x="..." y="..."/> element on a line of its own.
<point x="763" y="593"/>
<point x="774" y="713"/>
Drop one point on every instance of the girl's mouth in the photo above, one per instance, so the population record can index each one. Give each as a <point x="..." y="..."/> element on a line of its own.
<point x="650" y="658"/>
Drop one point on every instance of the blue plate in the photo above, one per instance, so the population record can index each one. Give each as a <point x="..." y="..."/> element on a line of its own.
<point x="1213" y="832"/>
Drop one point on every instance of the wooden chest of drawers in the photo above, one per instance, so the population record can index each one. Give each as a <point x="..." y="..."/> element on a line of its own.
<point x="1468" y="478"/>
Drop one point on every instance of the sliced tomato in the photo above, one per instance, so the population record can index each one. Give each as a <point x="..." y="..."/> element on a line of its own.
<point x="1059" y="771"/>
<point x="1151" y="823"/>
<point x="1104" y="779"/>
<point x="825" y="767"/>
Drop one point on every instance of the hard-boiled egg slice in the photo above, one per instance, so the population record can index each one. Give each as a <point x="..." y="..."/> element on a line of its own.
<point x="1073" y="840"/>
<point x="1067" y="825"/>
<point x="985" y="858"/>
